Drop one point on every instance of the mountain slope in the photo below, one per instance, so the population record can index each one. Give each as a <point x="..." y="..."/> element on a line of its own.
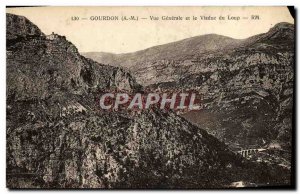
<point x="247" y="85"/>
<point x="155" y="64"/>
<point x="172" y="51"/>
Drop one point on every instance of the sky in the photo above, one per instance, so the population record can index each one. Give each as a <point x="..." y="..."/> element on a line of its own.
<point x="128" y="36"/>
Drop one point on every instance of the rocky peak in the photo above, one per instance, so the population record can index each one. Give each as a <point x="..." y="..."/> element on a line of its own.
<point x="20" y="26"/>
<point x="284" y="25"/>
<point x="282" y="34"/>
<point x="51" y="65"/>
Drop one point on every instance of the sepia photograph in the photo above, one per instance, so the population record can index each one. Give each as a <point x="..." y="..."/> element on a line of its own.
<point x="150" y="97"/>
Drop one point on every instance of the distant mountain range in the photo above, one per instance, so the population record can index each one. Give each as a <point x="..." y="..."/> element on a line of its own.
<point x="247" y="84"/>
<point x="187" y="50"/>
<point x="172" y="51"/>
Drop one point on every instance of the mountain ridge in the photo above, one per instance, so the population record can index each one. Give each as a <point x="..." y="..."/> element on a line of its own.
<point x="114" y="59"/>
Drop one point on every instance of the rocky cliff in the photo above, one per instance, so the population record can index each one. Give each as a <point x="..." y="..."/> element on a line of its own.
<point x="20" y="27"/>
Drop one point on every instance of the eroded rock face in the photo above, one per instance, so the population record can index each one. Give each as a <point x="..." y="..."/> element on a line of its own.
<point x="40" y="68"/>
<point x="56" y="137"/>
<point x="147" y="150"/>
<point x="20" y="27"/>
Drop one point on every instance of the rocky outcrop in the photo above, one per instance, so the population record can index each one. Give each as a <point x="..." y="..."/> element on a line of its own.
<point x="20" y="27"/>
<point x="40" y="68"/>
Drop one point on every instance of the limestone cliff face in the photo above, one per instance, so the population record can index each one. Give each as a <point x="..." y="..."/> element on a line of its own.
<point x="99" y="76"/>
<point x="56" y="138"/>
<point x="40" y="68"/>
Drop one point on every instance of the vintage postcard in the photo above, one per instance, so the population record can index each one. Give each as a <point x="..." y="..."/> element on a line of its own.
<point x="150" y="97"/>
